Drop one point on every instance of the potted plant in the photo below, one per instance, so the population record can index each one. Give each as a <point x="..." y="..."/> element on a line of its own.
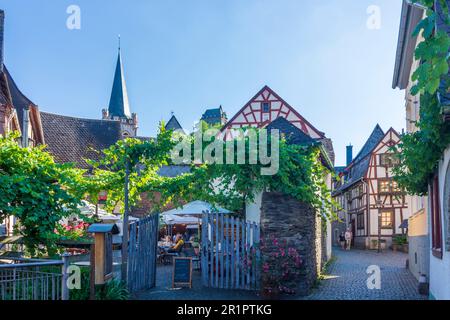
<point x="400" y="242"/>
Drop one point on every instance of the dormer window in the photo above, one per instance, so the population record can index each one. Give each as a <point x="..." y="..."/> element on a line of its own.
<point x="266" y="107"/>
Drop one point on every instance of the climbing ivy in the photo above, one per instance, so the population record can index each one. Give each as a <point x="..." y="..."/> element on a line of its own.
<point x="143" y="158"/>
<point x="36" y="191"/>
<point x="301" y="175"/>
<point x="420" y="151"/>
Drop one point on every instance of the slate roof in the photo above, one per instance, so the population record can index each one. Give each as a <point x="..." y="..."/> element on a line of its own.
<point x="360" y="164"/>
<point x="73" y="140"/>
<point x="328" y="146"/>
<point x="213" y="116"/>
<point x="4" y="91"/>
<point x="19" y="100"/>
<point x="118" y="103"/>
<point x="374" y="138"/>
<point x="294" y="135"/>
<point x="212" y="113"/>
<point x="173" y="124"/>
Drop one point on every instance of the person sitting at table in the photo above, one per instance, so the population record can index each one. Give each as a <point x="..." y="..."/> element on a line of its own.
<point x="179" y="242"/>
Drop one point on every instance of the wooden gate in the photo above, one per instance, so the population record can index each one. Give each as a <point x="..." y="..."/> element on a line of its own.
<point x="142" y="252"/>
<point x="230" y="252"/>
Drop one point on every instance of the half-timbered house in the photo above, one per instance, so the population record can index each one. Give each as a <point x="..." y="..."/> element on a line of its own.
<point x="17" y="112"/>
<point x="265" y="107"/>
<point x="373" y="205"/>
<point x="429" y="231"/>
<point x="279" y="214"/>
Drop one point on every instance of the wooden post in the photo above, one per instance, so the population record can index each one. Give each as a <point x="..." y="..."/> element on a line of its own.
<point x="125" y="225"/>
<point x="92" y="274"/>
<point x="99" y="258"/>
<point x="65" y="276"/>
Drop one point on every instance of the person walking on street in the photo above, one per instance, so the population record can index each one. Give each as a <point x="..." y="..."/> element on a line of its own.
<point x="342" y="240"/>
<point x="348" y="239"/>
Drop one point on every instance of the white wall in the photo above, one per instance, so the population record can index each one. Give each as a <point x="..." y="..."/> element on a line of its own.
<point x="253" y="210"/>
<point x="440" y="268"/>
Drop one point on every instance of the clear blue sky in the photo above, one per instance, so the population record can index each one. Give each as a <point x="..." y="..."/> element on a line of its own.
<point x="189" y="55"/>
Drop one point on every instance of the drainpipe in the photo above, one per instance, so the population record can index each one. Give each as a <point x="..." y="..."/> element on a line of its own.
<point x="26" y="124"/>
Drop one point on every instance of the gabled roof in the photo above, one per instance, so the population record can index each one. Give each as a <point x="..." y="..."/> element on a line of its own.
<point x="296" y="136"/>
<point x="273" y="93"/>
<point x="10" y="94"/>
<point x="292" y="134"/>
<point x="118" y="103"/>
<point x="173" y="124"/>
<point x="19" y="100"/>
<point x="357" y="169"/>
<point x="374" y="138"/>
<point x="73" y="140"/>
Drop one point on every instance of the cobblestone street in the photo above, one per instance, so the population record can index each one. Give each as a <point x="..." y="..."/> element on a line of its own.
<point x="347" y="277"/>
<point x="346" y="280"/>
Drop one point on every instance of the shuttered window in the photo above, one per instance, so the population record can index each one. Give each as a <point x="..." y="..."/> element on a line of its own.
<point x="436" y="223"/>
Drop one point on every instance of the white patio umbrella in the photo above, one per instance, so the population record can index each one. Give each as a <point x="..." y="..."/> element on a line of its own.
<point x="190" y="214"/>
<point x="196" y="208"/>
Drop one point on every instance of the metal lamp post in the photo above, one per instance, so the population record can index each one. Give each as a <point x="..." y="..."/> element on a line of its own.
<point x="125" y="224"/>
<point x="379" y="206"/>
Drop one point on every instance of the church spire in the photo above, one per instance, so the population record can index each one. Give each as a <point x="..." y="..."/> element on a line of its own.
<point x="118" y="104"/>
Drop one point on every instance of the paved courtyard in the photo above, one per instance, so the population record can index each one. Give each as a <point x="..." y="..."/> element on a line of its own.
<point x="163" y="290"/>
<point x="346" y="280"/>
<point x="347" y="277"/>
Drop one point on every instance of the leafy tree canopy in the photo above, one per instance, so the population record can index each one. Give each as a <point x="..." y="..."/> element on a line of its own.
<point x="36" y="191"/>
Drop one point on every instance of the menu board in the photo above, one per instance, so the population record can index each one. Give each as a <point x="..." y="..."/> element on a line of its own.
<point x="182" y="272"/>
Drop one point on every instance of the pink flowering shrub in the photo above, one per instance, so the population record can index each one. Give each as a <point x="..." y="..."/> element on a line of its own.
<point x="281" y="267"/>
<point x="72" y="231"/>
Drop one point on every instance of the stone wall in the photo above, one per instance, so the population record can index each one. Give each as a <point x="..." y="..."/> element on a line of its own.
<point x="286" y="218"/>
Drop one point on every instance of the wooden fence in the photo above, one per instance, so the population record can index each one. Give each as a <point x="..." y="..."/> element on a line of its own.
<point x="230" y="253"/>
<point x="142" y="251"/>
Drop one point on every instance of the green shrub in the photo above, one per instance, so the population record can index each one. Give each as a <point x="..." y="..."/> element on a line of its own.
<point x="400" y="239"/>
<point x="112" y="290"/>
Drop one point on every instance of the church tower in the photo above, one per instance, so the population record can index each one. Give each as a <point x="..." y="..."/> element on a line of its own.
<point x="119" y="106"/>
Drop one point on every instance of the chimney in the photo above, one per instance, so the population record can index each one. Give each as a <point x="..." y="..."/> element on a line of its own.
<point x="349" y="154"/>
<point x="26" y="125"/>
<point x="2" y="25"/>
